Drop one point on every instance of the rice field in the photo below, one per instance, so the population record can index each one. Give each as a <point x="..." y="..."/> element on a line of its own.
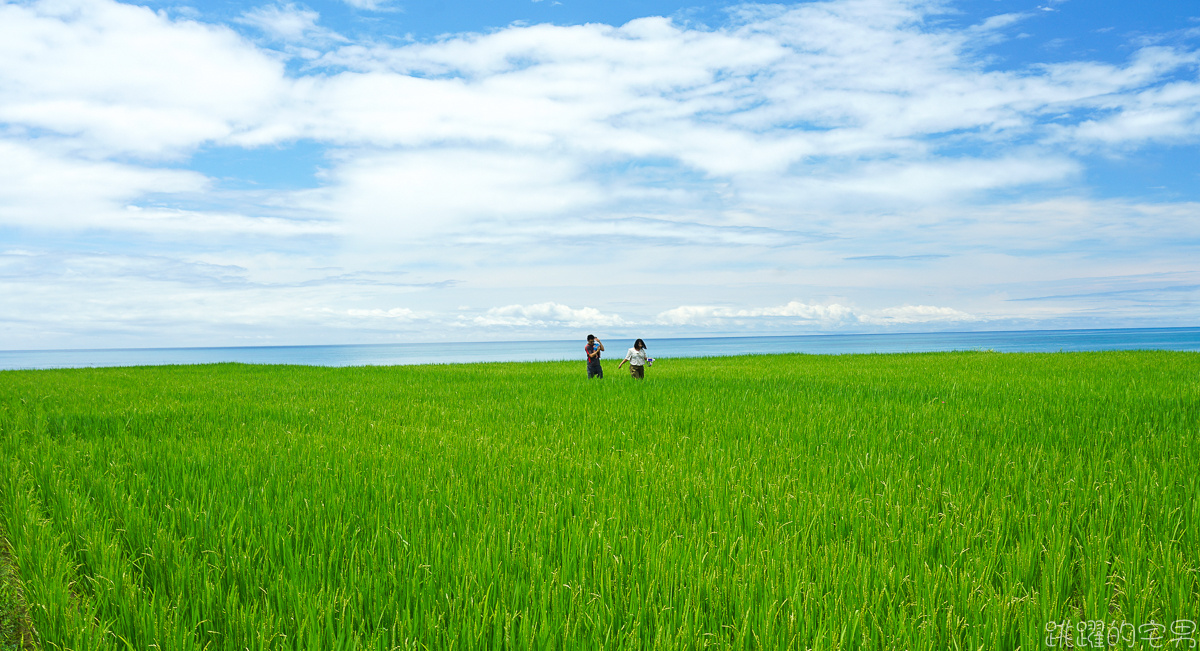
<point x="917" y="501"/>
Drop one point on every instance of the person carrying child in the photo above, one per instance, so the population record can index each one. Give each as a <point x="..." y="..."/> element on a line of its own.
<point x="593" y="349"/>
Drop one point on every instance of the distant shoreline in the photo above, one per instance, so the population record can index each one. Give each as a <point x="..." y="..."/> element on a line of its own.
<point x="1181" y="339"/>
<point x="1051" y="331"/>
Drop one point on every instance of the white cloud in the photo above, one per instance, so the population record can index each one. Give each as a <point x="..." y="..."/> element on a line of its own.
<point x="408" y="196"/>
<point x="547" y="315"/>
<point x="999" y="21"/>
<point x="369" y="5"/>
<point x="113" y="78"/>
<point x="869" y="76"/>
<point x="794" y="311"/>
<point x="924" y="182"/>
<point x="34" y="185"/>
<point x="1167" y="115"/>
<point x="285" y="22"/>
<point x="907" y="314"/>
<point x="397" y="313"/>
<point x="46" y="192"/>
<point x="295" y="26"/>
<point x="825" y="316"/>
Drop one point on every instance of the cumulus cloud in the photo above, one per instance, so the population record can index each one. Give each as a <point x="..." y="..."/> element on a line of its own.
<point x="865" y="75"/>
<point x="825" y="99"/>
<point x="117" y="79"/>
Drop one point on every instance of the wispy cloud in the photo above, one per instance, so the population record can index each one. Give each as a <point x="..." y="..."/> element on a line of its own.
<point x="285" y="22"/>
<point x="823" y="315"/>
<point x="547" y="315"/>
<point x="882" y="258"/>
<point x="370" y="5"/>
<point x="1137" y="294"/>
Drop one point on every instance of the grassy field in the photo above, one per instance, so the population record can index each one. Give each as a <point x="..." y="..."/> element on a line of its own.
<point x="916" y="501"/>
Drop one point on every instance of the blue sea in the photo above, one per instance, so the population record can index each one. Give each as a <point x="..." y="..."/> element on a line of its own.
<point x="1187" y="339"/>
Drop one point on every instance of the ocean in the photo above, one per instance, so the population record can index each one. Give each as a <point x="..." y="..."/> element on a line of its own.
<point x="1186" y="339"/>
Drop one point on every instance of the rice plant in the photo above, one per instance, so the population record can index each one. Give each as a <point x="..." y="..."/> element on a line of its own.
<point x="918" y="501"/>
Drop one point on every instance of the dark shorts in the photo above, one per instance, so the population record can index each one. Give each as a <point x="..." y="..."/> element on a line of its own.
<point x="594" y="369"/>
<point x="638" y="372"/>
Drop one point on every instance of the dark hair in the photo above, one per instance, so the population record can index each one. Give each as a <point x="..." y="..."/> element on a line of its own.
<point x="591" y="337"/>
<point x="639" y="344"/>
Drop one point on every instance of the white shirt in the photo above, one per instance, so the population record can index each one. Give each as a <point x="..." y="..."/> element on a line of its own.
<point x="636" y="357"/>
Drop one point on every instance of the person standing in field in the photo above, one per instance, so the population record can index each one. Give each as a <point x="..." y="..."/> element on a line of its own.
<point x="637" y="360"/>
<point x="593" y="349"/>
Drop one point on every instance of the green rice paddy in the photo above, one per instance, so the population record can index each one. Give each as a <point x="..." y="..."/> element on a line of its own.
<point x="916" y="501"/>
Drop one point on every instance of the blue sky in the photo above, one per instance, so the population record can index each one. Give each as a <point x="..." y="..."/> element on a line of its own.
<point x="369" y="171"/>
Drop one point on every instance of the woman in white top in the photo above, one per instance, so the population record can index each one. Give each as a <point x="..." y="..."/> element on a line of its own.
<point x="637" y="360"/>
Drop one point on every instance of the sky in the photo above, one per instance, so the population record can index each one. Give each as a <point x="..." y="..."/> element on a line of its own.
<point x="243" y="173"/>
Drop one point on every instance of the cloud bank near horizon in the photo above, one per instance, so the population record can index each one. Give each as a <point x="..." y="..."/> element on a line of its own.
<point x="820" y="166"/>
